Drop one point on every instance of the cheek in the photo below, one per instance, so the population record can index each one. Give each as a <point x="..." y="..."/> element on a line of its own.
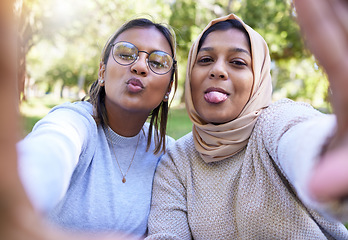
<point x="249" y="84"/>
<point x="161" y="82"/>
<point x="195" y="91"/>
<point x="244" y="83"/>
<point x="114" y="71"/>
<point x="157" y="88"/>
<point x="196" y="82"/>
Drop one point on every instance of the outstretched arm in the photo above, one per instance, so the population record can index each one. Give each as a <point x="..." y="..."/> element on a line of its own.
<point x="18" y="220"/>
<point x="324" y="24"/>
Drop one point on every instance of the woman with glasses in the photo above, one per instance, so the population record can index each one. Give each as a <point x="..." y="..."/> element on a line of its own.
<point x="89" y="165"/>
<point x="248" y="168"/>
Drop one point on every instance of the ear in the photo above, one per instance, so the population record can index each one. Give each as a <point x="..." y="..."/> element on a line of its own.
<point x="101" y="74"/>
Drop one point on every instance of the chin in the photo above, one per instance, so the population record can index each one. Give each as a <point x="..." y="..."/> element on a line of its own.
<point x="216" y="115"/>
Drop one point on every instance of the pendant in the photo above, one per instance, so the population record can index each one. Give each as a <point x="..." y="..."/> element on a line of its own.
<point x="123" y="179"/>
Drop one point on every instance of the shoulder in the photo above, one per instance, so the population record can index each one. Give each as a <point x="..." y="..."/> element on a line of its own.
<point x="169" y="141"/>
<point x="177" y="160"/>
<point x="79" y="112"/>
<point x="286" y="110"/>
<point x="287" y="105"/>
<point x="81" y="107"/>
<point x="78" y="117"/>
<point x="182" y="148"/>
<point x="69" y="117"/>
<point x="279" y="119"/>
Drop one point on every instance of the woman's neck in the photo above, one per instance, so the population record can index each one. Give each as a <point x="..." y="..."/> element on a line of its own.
<point x="127" y="124"/>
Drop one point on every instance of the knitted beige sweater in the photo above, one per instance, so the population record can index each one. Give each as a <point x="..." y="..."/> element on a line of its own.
<point x="256" y="194"/>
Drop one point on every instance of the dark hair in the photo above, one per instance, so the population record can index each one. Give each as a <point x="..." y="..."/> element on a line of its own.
<point x="159" y="115"/>
<point x="224" y="25"/>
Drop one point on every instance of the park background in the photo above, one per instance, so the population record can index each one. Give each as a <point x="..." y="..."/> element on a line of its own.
<point x="61" y="42"/>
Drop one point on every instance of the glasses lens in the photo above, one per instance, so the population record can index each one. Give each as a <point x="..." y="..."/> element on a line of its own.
<point x="160" y="62"/>
<point x="125" y="53"/>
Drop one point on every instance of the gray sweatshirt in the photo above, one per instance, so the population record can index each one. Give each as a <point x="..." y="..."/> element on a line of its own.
<point x="70" y="172"/>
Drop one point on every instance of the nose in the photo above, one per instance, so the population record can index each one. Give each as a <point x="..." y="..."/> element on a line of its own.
<point x="140" y="67"/>
<point x="218" y="71"/>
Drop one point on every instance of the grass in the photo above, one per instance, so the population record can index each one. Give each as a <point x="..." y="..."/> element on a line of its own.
<point x="179" y="123"/>
<point x="34" y="109"/>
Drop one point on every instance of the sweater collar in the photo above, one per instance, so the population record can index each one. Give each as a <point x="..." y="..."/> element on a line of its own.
<point x="117" y="139"/>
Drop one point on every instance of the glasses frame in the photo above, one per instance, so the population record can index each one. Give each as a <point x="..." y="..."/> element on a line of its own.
<point x="137" y="58"/>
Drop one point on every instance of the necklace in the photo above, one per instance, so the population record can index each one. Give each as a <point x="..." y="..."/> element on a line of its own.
<point x="119" y="167"/>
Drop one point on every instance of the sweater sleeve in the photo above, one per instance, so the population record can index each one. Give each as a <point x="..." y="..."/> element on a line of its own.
<point x="49" y="154"/>
<point x="298" y="137"/>
<point x="168" y="215"/>
<point x="299" y="151"/>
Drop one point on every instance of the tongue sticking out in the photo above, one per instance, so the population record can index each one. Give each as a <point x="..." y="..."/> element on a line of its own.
<point x="215" y="97"/>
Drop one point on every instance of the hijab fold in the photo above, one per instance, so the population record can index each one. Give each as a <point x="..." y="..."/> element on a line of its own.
<point x="218" y="142"/>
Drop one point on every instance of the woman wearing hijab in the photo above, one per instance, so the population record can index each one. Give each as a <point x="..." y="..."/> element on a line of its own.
<point x="242" y="173"/>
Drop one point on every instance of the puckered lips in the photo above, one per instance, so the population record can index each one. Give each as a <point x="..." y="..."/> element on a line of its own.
<point x="135" y="85"/>
<point x="215" y="95"/>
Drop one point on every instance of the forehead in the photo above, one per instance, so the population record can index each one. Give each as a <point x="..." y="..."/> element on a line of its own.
<point x="145" y="39"/>
<point x="230" y="38"/>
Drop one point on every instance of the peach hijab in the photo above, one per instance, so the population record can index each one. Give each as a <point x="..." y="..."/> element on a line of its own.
<point x="218" y="142"/>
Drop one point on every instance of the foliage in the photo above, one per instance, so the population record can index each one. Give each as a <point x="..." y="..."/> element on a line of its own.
<point x="74" y="33"/>
<point x="302" y="80"/>
<point x="295" y="73"/>
<point x="274" y="20"/>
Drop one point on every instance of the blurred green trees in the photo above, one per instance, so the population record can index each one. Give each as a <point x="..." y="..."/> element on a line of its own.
<point x="64" y="40"/>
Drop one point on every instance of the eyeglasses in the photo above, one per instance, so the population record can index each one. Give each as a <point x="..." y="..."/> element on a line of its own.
<point x="125" y="53"/>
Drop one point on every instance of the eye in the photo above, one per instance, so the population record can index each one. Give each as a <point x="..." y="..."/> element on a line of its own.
<point x="238" y="63"/>
<point x="205" y="60"/>
<point x="160" y="60"/>
<point x="125" y="56"/>
<point x="156" y="64"/>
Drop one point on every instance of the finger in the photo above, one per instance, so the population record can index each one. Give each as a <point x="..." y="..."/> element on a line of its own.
<point x="330" y="180"/>
<point x="327" y="38"/>
<point x="323" y="32"/>
<point x="341" y="9"/>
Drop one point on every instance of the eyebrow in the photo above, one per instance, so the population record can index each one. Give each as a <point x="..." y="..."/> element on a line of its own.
<point x="207" y="49"/>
